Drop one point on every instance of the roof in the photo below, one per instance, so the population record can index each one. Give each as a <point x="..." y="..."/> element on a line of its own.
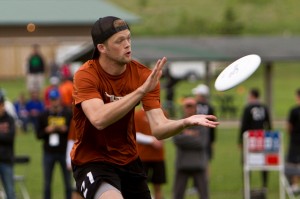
<point x="217" y="48"/>
<point x="58" y="12"/>
<point x="149" y="49"/>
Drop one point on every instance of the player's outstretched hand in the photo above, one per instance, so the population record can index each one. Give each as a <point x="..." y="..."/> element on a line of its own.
<point x="203" y="120"/>
<point x="155" y="76"/>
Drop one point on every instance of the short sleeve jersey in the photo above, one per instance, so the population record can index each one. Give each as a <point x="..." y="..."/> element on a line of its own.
<point x="146" y="152"/>
<point x="116" y="143"/>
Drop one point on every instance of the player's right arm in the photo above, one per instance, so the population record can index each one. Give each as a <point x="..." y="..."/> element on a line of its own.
<point x="102" y="115"/>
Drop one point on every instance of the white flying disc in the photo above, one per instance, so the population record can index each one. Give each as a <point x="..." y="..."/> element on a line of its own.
<point x="237" y="72"/>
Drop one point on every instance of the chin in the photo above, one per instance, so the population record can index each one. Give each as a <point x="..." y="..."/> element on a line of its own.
<point x="127" y="60"/>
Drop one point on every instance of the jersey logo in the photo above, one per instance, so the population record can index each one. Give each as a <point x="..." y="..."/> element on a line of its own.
<point x="258" y="113"/>
<point x="112" y="98"/>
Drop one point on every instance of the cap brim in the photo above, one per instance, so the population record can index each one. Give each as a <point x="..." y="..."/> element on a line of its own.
<point x="96" y="53"/>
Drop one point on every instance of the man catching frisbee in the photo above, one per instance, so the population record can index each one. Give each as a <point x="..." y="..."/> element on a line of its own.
<point x="106" y="90"/>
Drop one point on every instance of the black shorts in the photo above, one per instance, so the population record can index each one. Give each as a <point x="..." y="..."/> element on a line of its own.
<point x="130" y="179"/>
<point x="156" y="171"/>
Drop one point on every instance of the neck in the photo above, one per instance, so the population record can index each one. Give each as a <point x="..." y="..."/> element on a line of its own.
<point x="112" y="67"/>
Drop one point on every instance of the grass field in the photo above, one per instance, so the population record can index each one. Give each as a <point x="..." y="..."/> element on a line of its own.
<point x="225" y="180"/>
<point x="226" y="171"/>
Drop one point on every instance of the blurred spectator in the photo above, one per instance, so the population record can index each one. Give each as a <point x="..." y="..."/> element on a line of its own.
<point x="54" y="69"/>
<point x="53" y="129"/>
<point x="7" y="138"/>
<point x="35" y="69"/>
<point x="170" y="83"/>
<point x="191" y="155"/>
<point x="9" y="106"/>
<point x="54" y="84"/>
<point x="293" y="155"/>
<point x="34" y="107"/>
<point x="151" y="152"/>
<point x="255" y="117"/>
<point x="22" y="112"/>
<point x="66" y="86"/>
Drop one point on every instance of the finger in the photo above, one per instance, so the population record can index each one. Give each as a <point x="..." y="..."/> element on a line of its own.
<point x="211" y="117"/>
<point x="163" y="61"/>
<point x="157" y="66"/>
<point x="212" y="124"/>
<point x="160" y="63"/>
<point x="157" y="71"/>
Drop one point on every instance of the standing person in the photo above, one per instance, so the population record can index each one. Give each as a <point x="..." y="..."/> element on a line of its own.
<point x="191" y="155"/>
<point x="293" y="129"/>
<point x="66" y="86"/>
<point x="54" y="83"/>
<point x="255" y="117"/>
<point x="35" y="69"/>
<point x="106" y="90"/>
<point x="201" y="93"/>
<point x="151" y="152"/>
<point x="53" y="128"/>
<point x="23" y="116"/>
<point x="7" y="137"/>
<point x="170" y="83"/>
<point x="34" y="107"/>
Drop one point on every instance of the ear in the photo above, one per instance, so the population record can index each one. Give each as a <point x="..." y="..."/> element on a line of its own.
<point x="101" y="48"/>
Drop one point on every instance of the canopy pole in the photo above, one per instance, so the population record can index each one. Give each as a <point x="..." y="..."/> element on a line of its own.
<point x="268" y="86"/>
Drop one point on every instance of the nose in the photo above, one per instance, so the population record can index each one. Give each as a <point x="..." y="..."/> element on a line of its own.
<point x="128" y="43"/>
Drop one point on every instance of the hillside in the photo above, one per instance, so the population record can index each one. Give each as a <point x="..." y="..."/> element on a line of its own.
<point x="218" y="17"/>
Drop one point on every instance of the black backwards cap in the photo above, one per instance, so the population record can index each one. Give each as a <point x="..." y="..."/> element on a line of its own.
<point x="104" y="28"/>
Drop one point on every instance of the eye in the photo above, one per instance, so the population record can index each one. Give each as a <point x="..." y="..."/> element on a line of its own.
<point x="120" y="40"/>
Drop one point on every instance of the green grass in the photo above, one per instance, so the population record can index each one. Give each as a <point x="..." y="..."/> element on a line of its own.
<point x="225" y="168"/>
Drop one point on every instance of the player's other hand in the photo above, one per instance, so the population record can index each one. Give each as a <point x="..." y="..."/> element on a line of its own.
<point x="203" y="120"/>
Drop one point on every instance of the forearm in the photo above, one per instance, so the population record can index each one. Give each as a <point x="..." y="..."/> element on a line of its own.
<point x="104" y="115"/>
<point x="164" y="128"/>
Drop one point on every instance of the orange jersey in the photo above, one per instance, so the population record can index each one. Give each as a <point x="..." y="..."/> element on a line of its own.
<point x="66" y="90"/>
<point x="146" y="152"/>
<point x="116" y="143"/>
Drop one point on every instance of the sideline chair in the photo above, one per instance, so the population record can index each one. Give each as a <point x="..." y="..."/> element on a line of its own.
<point x="20" y="178"/>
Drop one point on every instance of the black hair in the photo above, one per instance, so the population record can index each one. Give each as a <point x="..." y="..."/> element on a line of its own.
<point x="255" y="92"/>
<point x="298" y="92"/>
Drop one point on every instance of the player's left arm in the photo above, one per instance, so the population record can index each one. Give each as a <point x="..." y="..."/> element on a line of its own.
<point x="163" y="127"/>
